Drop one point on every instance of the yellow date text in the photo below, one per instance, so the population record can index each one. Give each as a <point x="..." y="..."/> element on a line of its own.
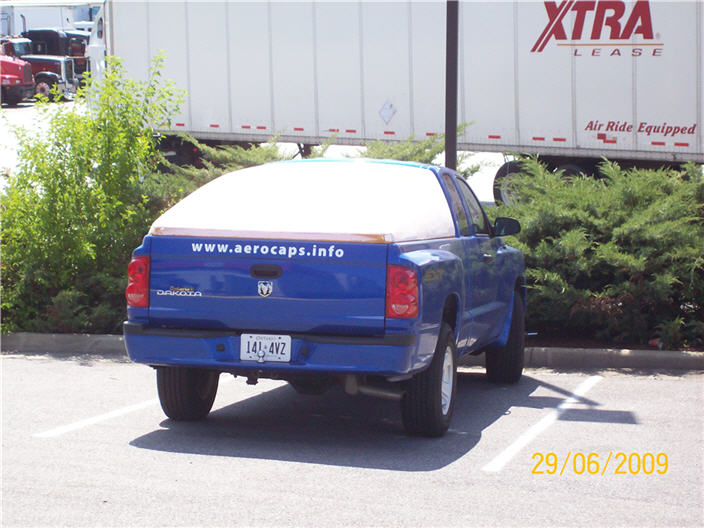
<point x="616" y="463"/>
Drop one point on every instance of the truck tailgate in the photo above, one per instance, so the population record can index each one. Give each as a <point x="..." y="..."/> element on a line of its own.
<point x="267" y="285"/>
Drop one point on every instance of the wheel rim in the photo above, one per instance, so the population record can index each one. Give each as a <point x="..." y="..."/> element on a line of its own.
<point x="447" y="381"/>
<point x="42" y="88"/>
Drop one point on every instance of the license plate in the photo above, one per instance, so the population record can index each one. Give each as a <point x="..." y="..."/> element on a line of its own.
<point x="264" y="348"/>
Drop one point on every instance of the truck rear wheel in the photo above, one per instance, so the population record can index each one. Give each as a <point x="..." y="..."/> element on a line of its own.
<point x="504" y="364"/>
<point x="427" y="404"/>
<point x="186" y="393"/>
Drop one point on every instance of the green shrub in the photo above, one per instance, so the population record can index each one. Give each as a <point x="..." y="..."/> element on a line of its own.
<point x="75" y="208"/>
<point x="409" y="150"/>
<point x="618" y="258"/>
<point x="426" y="151"/>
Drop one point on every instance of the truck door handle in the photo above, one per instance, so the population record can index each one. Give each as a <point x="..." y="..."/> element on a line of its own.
<point x="488" y="257"/>
<point x="265" y="271"/>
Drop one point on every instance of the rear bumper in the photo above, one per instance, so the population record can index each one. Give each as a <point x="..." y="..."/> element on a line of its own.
<point x="394" y="354"/>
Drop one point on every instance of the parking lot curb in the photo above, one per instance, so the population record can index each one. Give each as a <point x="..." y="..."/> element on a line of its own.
<point x="535" y="357"/>
<point x="64" y="344"/>
<point x="614" y="358"/>
<point x="604" y="358"/>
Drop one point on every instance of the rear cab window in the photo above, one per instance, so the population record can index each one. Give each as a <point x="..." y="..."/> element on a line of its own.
<point x="456" y="204"/>
<point x="478" y="219"/>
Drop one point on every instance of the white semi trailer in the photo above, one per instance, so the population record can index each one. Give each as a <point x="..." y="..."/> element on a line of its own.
<point x="571" y="80"/>
<point x="17" y="16"/>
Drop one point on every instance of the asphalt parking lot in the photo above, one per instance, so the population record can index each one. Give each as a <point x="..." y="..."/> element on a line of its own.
<point x="85" y="444"/>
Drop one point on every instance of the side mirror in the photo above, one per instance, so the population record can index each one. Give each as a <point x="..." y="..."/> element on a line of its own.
<point x="505" y="226"/>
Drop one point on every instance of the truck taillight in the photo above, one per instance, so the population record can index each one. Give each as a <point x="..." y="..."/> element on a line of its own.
<point x="401" y="292"/>
<point x="137" y="292"/>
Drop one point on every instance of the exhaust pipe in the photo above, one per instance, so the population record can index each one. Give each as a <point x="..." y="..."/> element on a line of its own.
<point x="354" y="388"/>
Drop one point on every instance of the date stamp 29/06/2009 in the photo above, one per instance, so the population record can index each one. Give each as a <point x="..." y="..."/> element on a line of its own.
<point x="616" y="463"/>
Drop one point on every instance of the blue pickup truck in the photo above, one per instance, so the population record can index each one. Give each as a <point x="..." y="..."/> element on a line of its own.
<point x="374" y="275"/>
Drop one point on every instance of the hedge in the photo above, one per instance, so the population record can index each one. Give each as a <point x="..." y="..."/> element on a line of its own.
<point x="619" y="258"/>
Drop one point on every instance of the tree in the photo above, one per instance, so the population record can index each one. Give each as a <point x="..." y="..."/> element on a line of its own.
<point x="76" y="207"/>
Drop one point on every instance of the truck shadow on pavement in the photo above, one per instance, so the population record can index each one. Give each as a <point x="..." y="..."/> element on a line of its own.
<point x="339" y="430"/>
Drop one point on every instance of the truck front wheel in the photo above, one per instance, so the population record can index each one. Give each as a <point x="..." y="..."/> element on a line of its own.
<point x="427" y="404"/>
<point x="43" y="88"/>
<point x="186" y="393"/>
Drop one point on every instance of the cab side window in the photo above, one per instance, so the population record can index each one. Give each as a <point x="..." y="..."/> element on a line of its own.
<point x="456" y="204"/>
<point x="476" y="214"/>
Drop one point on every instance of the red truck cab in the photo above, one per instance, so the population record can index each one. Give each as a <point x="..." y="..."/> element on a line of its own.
<point x="16" y="78"/>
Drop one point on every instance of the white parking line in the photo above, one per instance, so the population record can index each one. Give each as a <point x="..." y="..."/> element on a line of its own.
<point x="58" y="431"/>
<point x="503" y="458"/>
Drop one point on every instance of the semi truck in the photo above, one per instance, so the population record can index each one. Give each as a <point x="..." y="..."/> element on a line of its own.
<point x="65" y="43"/>
<point x="570" y="80"/>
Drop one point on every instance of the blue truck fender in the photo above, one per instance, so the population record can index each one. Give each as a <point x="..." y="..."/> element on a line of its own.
<point x="518" y="289"/>
<point x="441" y="283"/>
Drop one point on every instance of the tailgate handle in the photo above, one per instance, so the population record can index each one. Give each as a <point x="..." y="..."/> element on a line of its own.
<point x="265" y="271"/>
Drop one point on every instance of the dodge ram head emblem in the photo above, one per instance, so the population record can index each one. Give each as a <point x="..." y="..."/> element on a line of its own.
<point x="265" y="288"/>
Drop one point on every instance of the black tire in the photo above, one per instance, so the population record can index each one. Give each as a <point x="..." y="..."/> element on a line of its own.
<point x="502" y="193"/>
<point x="43" y="87"/>
<point x="186" y="393"/>
<point x="424" y="409"/>
<point x="570" y="169"/>
<point x="505" y="364"/>
<point x="311" y="386"/>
